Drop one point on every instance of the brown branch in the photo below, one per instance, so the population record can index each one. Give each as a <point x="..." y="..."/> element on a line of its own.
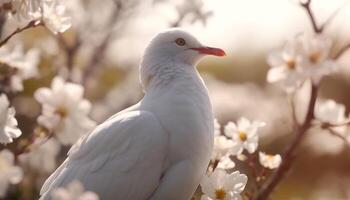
<point x="31" y="24"/>
<point x="178" y="21"/>
<point x="326" y="125"/>
<point x="319" y="29"/>
<point x="288" y="156"/>
<point x="101" y="49"/>
<point x="345" y="140"/>
<point x="70" y="50"/>
<point x="332" y="17"/>
<point x="2" y="21"/>
<point x="251" y="163"/>
<point x="299" y="129"/>
<point x="306" y="6"/>
<point x="215" y="164"/>
<point x="96" y="58"/>
<point x="31" y="143"/>
<point x="342" y="51"/>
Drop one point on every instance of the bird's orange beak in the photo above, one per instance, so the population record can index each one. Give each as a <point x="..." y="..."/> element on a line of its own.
<point x="210" y="51"/>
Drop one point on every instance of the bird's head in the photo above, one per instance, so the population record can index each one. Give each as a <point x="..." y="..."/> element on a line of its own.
<point x="176" y="46"/>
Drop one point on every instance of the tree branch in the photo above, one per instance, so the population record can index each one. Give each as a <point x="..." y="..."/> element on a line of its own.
<point x="96" y="58"/>
<point x="332" y="17"/>
<point x="288" y="155"/>
<point x="345" y="140"/>
<point x="102" y="47"/>
<point x="342" y="51"/>
<point x="69" y="49"/>
<point x="306" y="6"/>
<point x="330" y="125"/>
<point x="30" y="144"/>
<point x="31" y="24"/>
<point x="299" y="129"/>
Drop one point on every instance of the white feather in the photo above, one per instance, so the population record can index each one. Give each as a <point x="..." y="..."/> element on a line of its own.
<point x="116" y="155"/>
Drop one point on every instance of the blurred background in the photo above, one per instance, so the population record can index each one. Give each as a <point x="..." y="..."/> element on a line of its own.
<point x="103" y="48"/>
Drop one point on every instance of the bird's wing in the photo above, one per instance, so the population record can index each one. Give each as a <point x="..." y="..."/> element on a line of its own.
<point x="121" y="159"/>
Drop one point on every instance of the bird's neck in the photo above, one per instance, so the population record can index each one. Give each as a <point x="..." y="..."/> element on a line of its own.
<point x="179" y="83"/>
<point x="162" y="75"/>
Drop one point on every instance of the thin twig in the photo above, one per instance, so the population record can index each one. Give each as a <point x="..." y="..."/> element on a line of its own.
<point x="101" y="49"/>
<point x="340" y="136"/>
<point x="330" y="125"/>
<point x="29" y="146"/>
<point x="31" y="24"/>
<point x="215" y="164"/>
<point x="96" y="58"/>
<point x="70" y="50"/>
<point x="178" y="21"/>
<point x="330" y="20"/>
<point x="341" y="51"/>
<point x="288" y="155"/>
<point x="306" y="6"/>
<point x="2" y="21"/>
<point x="332" y="16"/>
<point x="251" y="163"/>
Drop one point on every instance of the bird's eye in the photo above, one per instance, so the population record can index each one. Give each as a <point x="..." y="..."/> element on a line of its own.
<point x="180" y="41"/>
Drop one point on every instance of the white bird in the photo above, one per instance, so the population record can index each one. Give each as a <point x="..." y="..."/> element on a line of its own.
<point x="158" y="149"/>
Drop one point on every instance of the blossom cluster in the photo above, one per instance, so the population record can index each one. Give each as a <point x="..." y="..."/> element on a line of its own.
<point x="300" y="66"/>
<point x="238" y="139"/>
<point x="308" y="57"/>
<point x="65" y="112"/>
<point x="17" y="66"/>
<point x="49" y="12"/>
<point x="64" y="117"/>
<point x="304" y="57"/>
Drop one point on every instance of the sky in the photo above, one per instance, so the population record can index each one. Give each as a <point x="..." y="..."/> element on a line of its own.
<point x="238" y="26"/>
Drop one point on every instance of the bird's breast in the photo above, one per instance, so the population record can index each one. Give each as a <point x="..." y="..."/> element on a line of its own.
<point x="185" y="112"/>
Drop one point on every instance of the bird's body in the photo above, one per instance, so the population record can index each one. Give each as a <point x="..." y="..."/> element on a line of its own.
<point x="157" y="149"/>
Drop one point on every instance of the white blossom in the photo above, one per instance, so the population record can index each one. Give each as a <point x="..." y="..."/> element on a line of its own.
<point x="22" y="66"/>
<point x="244" y="135"/>
<point x="222" y="186"/>
<point x="42" y="157"/>
<point x="54" y="16"/>
<point x="9" y="173"/>
<point x="51" y="12"/>
<point x="316" y="62"/>
<point x="8" y="122"/>
<point x="24" y="11"/>
<point x="222" y="145"/>
<point x="330" y="111"/>
<point x="65" y="111"/>
<point x="333" y="113"/>
<point x="74" y="191"/>
<point x="304" y="57"/>
<point x="226" y="163"/>
<point x="269" y="161"/>
<point x="285" y="65"/>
